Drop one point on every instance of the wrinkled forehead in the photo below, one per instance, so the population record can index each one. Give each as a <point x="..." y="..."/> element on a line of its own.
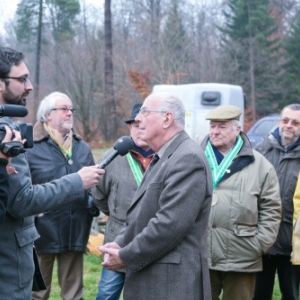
<point x="291" y="114"/>
<point x="221" y="122"/>
<point x="152" y="102"/>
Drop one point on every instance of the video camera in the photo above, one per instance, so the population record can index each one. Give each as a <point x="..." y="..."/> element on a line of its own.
<point x="13" y="148"/>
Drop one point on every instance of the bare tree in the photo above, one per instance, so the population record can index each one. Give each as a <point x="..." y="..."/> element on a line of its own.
<point x="110" y="124"/>
<point x="38" y="58"/>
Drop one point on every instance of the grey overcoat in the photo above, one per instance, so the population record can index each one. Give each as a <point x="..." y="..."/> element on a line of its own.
<point x="164" y="241"/>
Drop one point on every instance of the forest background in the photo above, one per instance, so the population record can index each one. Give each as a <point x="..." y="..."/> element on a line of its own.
<point x="108" y="59"/>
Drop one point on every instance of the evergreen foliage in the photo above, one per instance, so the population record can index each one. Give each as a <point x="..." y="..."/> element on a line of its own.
<point x="59" y="18"/>
<point x="251" y="42"/>
<point x="174" y="42"/>
<point x="292" y="66"/>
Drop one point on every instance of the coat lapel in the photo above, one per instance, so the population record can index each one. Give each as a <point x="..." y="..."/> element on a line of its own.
<point x="155" y="172"/>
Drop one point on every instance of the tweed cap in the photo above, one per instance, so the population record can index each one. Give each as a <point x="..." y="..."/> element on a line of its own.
<point x="224" y="113"/>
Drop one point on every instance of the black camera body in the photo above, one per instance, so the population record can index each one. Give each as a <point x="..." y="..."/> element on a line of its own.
<point x="92" y="208"/>
<point x="25" y="129"/>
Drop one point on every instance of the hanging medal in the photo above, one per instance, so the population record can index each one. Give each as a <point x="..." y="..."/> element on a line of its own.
<point x="214" y="199"/>
<point x="70" y="161"/>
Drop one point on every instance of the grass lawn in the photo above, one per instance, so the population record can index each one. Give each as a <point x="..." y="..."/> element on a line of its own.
<point x="92" y="267"/>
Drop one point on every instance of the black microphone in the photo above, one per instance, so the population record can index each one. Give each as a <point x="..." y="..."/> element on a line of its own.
<point x="121" y="147"/>
<point x="10" y="110"/>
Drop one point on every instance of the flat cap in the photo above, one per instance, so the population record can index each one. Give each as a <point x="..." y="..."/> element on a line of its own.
<point x="134" y="112"/>
<point x="224" y="113"/>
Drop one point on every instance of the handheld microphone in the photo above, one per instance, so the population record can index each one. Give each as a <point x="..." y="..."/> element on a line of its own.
<point x="121" y="147"/>
<point x="10" y="110"/>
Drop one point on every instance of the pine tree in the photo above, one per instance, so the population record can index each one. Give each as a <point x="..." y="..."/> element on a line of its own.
<point x="250" y="39"/>
<point x="58" y="15"/>
<point x="292" y="66"/>
<point x="174" y="43"/>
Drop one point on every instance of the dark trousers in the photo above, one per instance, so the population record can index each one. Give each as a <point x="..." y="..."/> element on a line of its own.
<point x="288" y="277"/>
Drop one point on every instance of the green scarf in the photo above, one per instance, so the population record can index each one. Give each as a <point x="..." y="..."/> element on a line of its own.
<point x="219" y="170"/>
<point x="135" y="168"/>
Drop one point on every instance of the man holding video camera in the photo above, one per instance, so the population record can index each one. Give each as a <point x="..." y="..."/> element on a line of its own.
<point x="25" y="200"/>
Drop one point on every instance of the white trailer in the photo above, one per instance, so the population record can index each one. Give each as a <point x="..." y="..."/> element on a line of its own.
<point x="199" y="99"/>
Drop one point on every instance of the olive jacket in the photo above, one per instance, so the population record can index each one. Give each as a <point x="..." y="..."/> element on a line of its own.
<point x="245" y="220"/>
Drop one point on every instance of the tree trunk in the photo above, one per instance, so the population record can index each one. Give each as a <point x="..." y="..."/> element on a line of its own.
<point x="251" y="65"/>
<point x="110" y="122"/>
<point x="38" y="60"/>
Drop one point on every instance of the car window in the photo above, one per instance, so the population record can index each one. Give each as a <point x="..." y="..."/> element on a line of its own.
<point x="264" y="127"/>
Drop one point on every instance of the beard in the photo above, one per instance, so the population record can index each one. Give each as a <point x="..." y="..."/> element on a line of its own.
<point x="10" y="98"/>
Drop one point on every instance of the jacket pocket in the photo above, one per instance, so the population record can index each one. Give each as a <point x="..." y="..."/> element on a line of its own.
<point x="245" y="230"/>
<point x="170" y="258"/>
<point x="25" y="238"/>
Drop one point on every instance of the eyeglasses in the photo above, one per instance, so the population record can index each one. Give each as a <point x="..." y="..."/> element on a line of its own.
<point x="23" y="80"/>
<point x="287" y="120"/>
<point x="64" y="109"/>
<point x="145" y="111"/>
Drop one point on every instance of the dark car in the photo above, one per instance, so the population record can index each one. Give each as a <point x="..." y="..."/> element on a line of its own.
<point x="262" y="128"/>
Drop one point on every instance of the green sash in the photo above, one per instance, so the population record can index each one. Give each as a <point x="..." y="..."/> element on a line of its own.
<point x="135" y="168"/>
<point x="219" y="170"/>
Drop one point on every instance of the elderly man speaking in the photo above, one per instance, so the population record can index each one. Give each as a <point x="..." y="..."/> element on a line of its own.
<point x="246" y="209"/>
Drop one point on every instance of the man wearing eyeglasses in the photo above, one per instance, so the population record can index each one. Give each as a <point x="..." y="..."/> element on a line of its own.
<point x="164" y="241"/>
<point x="17" y="85"/>
<point x="282" y="149"/>
<point x="59" y="151"/>
<point x="18" y="231"/>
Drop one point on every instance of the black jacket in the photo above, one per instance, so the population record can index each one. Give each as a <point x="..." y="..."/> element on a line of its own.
<point x="67" y="228"/>
<point x="287" y="165"/>
<point x="4" y="186"/>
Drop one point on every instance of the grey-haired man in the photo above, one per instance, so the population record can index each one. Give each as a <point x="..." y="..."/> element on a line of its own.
<point x="245" y="212"/>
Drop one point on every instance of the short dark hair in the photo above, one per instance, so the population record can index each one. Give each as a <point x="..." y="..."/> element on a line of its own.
<point x="8" y="58"/>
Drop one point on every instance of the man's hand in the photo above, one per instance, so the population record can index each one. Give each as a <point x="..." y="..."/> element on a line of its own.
<point x="112" y="260"/>
<point x="90" y="176"/>
<point x="8" y="137"/>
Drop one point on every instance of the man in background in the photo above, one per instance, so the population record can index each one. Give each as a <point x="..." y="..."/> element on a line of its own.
<point x="26" y="200"/>
<point x="245" y="212"/>
<point x="59" y="151"/>
<point x="282" y="149"/>
<point x="164" y="242"/>
<point x="113" y="195"/>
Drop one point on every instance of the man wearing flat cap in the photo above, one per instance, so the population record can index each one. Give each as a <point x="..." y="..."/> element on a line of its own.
<point x="113" y="195"/>
<point x="246" y="209"/>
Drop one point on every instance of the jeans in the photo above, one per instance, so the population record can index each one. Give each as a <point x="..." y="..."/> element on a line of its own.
<point x="110" y="285"/>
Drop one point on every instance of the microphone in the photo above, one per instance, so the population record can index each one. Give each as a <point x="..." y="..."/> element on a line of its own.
<point x="121" y="147"/>
<point x="10" y="110"/>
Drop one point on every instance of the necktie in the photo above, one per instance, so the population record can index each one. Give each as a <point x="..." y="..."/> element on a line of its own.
<point x="154" y="160"/>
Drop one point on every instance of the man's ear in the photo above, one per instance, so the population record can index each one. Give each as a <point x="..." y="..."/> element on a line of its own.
<point x="48" y="116"/>
<point x="168" y="120"/>
<point x="239" y="129"/>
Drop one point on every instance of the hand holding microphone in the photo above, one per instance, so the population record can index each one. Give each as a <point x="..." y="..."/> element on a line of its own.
<point x="121" y="147"/>
<point x="91" y="175"/>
